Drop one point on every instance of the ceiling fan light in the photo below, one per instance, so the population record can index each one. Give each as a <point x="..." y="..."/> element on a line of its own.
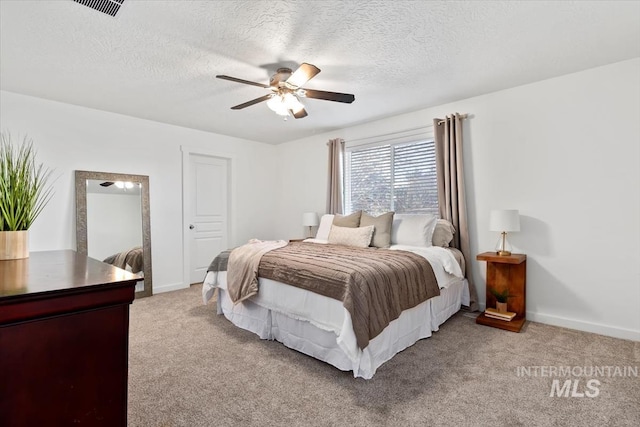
<point x="292" y="103"/>
<point x="277" y="105"/>
<point x="273" y="103"/>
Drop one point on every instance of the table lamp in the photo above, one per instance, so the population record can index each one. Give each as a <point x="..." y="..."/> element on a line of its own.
<point x="310" y="219"/>
<point x="503" y="221"/>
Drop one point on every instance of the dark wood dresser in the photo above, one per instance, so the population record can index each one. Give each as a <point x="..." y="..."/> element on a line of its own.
<point x="64" y="337"/>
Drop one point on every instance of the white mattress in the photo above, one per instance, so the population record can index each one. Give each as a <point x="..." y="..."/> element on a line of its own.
<point x="320" y="326"/>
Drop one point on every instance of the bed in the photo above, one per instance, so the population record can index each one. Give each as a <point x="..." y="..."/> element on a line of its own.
<point x="131" y="260"/>
<point x="323" y="328"/>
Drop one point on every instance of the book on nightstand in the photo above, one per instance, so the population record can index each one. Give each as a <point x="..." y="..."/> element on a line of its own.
<point x="507" y="316"/>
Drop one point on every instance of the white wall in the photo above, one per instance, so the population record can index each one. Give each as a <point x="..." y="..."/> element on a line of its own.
<point x="566" y="153"/>
<point x="69" y="137"/>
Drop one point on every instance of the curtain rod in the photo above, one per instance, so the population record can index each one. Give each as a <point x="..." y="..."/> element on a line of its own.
<point x="390" y="133"/>
<point x="462" y="116"/>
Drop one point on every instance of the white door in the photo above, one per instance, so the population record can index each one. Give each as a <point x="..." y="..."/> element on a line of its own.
<point x="207" y="210"/>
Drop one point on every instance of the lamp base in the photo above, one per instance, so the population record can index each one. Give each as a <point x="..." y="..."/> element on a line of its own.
<point x="503" y="247"/>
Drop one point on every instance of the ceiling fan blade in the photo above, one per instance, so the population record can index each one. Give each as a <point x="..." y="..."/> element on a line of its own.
<point x="329" y="96"/>
<point x="247" y="82"/>
<point x="300" y="114"/>
<point x="252" y="102"/>
<point x="303" y="74"/>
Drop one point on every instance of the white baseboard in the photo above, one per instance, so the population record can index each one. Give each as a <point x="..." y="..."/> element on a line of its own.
<point x="580" y="325"/>
<point x="168" y="288"/>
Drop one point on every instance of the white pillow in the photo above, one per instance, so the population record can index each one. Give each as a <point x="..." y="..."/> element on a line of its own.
<point x="357" y="237"/>
<point x="413" y="230"/>
<point x="325" y="227"/>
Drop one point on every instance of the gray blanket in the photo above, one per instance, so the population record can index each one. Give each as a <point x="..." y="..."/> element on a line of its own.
<point x="220" y="262"/>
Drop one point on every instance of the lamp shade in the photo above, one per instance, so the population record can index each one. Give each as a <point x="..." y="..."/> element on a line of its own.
<point x="309" y="219"/>
<point x="504" y="220"/>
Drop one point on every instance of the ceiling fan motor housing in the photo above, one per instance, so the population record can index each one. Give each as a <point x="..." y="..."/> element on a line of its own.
<point x="281" y="76"/>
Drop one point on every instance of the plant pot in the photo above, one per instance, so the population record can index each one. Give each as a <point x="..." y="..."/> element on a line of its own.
<point x="14" y="244"/>
<point x="501" y="307"/>
<point x="13" y="276"/>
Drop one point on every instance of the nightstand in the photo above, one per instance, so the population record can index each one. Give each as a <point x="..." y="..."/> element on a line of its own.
<point x="506" y="272"/>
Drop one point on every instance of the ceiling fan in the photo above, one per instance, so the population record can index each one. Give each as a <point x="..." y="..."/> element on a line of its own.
<point x="286" y="89"/>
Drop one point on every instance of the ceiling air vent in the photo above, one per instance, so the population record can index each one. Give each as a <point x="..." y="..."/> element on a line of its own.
<point x="110" y="7"/>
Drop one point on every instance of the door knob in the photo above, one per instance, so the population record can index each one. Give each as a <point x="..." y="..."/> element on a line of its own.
<point x="191" y="227"/>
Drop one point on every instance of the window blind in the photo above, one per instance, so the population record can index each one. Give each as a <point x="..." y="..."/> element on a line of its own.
<point x="392" y="177"/>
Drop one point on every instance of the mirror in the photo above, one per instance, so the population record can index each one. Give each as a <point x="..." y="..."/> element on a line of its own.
<point x="112" y="222"/>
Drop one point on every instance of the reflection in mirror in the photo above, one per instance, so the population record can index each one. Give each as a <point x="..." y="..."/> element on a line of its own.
<point x="112" y="223"/>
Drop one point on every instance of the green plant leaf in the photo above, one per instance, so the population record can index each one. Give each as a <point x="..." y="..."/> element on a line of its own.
<point x="24" y="186"/>
<point x="501" y="296"/>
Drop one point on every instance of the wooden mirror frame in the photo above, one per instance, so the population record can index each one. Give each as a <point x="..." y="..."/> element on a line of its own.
<point x="81" y="218"/>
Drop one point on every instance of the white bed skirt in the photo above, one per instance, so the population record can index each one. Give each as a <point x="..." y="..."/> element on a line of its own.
<point x="321" y="328"/>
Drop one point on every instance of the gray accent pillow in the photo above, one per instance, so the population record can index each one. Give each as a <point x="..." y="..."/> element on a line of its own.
<point x="382" y="228"/>
<point x="443" y="233"/>
<point x="351" y="221"/>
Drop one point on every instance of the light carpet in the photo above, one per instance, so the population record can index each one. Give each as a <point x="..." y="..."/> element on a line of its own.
<point x="189" y="366"/>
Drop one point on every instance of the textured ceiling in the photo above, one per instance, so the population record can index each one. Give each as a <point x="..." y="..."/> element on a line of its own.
<point x="158" y="59"/>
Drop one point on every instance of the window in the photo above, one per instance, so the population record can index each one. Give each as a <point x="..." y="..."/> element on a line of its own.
<point x="392" y="177"/>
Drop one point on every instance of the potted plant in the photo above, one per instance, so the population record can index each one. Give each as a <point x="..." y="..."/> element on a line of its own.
<point x="501" y="299"/>
<point x="24" y="192"/>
